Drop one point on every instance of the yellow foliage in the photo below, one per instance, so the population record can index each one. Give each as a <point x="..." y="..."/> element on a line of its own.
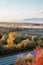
<point x="33" y="37"/>
<point x="13" y="34"/>
<point x="10" y="42"/>
<point x="29" y="56"/>
<point x="4" y="37"/>
<point x="11" y="38"/>
<point x="24" y="43"/>
<point x="40" y="41"/>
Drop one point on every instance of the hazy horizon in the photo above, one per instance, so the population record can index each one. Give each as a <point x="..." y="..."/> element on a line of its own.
<point x="18" y="10"/>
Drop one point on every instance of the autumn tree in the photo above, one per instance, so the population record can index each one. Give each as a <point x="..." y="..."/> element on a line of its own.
<point x="33" y="38"/>
<point x="4" y="37"/>
<point x="11" y="38"/>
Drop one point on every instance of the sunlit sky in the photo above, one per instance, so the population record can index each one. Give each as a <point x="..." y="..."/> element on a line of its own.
<point x="20" y="9"/>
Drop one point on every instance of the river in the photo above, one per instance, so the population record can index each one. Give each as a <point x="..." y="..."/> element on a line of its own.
<point x="11" y="59"/>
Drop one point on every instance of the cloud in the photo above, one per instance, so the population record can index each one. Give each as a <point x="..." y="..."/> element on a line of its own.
<point x="3" y="1"/>
<point x="41" y="12"/>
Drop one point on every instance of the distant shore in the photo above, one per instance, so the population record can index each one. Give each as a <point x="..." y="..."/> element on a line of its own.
<point x="21" y="25"/>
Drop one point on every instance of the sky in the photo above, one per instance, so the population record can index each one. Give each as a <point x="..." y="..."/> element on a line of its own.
<point x="20" y="9"/>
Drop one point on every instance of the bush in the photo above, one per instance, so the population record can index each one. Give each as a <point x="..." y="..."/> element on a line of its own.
<point x="40" y="42"/>
<point x="19" y="39"/>
<point x="0" y="35"/>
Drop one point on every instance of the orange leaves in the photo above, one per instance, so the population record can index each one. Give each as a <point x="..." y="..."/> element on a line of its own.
<point x="24" y="43"/>
<point x="39" y="56"/>
<point x="37" y="49"/>
<point x="21" y="62"/>
<point x="38" y="59"/>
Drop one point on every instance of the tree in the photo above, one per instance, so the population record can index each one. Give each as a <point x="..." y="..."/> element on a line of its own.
<point x="4" y="37"/>
<point x="33" y="38"/>
<point x="40" y="42"/>
<point x="0" y="35"/>
<point x="1" y="47"/>
<point x="11" y="38"/>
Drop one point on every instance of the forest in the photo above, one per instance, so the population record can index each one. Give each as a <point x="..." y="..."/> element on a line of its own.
<point x="13" y="41"/>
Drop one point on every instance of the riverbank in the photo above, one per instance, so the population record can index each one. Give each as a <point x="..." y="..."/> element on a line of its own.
<point x="15" y="53"/>
<point x="11" y="59"/>
<point x="30" y="59"/>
